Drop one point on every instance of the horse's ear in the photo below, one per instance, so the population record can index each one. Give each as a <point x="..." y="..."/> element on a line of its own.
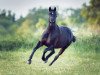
<point x="49" y="8"/>
<point x="54" y="8"/>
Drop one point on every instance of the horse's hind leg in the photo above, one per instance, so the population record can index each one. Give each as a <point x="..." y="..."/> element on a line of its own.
<point x="60" y="52"/>
<point x="39" y="44"/>
<point x="56" y="57"/>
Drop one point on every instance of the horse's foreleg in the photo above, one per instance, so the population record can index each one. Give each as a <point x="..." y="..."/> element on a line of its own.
<point x="39" y="44"/>
<point x="52" y="51"/>
<point x="49" y="55"/>
<point x="47" y="49"/>
<point x="56" y="57"/>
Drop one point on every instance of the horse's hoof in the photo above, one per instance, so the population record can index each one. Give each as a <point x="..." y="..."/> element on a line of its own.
<point x="29" y="62"/>
<point x="50" y="64"/>
<point x="43" y="59"/>
<point x="46" y="61"/>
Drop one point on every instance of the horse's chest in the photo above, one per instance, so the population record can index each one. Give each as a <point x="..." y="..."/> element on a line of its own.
<point x="49" y="40"/>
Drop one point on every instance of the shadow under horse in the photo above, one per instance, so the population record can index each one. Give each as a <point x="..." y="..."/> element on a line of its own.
<point x="53" y="37"/>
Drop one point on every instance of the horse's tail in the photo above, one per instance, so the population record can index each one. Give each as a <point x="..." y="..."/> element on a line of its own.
<point x="74" y="39"/>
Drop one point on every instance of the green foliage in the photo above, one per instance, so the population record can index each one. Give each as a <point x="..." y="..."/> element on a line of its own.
<point x="22" y="33"/>
<point x="15" y="42"/>
<point x="25" y="32"/>
<point x="88" y="44"/>
<point x="7" y="19"/>
<point x="92" y="12"/>
<point x="76" y="18"/>
<point x="41" y="23"/>
<point x="35" y="14"/>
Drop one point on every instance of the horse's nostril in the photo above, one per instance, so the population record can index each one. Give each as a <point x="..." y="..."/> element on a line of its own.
<point x="51" y="18"/>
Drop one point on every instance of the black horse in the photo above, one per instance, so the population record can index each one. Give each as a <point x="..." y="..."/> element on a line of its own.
<point x="54" y="37"/>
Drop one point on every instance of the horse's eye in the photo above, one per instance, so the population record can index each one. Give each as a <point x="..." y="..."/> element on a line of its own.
<point x="49" y="13"/>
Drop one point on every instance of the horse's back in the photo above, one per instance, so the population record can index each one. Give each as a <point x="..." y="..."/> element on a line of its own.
<point x="66" y="36"/>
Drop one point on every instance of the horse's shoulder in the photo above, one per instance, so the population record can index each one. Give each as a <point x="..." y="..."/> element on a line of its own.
<point x="63" y="28"/>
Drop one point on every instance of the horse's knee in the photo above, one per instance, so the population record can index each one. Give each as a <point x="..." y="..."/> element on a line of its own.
<point x="53" y="51"/>
<point x="45" y="50"/>
<point x="43" y="58"/>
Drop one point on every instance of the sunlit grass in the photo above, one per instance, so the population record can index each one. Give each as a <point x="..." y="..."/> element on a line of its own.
<point x="69" y="63"/>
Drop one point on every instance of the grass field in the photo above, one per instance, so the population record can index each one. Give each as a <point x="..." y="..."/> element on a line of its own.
<point x="69" y="63"/>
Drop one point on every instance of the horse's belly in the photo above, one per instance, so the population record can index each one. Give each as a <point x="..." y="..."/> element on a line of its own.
<point x="65" y="37"/>
<point x="61" y="44"/>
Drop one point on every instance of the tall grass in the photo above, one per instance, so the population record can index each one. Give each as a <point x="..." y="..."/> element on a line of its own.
<point x="88" y="44"/>
<point x="13" y="42"/>
<point x="69" y="63"/>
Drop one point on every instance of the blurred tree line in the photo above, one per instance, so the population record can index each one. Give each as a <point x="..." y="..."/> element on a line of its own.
<point x="38" y="18"/>
<point x="6" y="20"/>
<point x="88" y="14"/>
<point x="30" y="27"/>
<point x="91" y="12"/>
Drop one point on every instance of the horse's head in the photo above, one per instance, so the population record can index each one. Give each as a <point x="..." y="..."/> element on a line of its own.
<point x="52" y="15"/>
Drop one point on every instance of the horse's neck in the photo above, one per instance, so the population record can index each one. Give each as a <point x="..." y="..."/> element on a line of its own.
<point x="52" y="27"/>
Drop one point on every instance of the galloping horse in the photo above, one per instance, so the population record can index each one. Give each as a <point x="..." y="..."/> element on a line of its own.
<point x="54" y="37"/>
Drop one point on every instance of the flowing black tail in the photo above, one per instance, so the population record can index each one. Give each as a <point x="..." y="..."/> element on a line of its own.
<point x="74" y="38"/>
